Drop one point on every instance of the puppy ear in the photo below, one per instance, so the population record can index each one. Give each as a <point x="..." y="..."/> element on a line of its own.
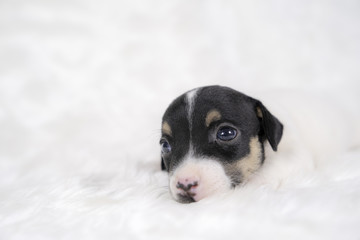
<point x="272" y="127"/>
<point x="163" y="167"/>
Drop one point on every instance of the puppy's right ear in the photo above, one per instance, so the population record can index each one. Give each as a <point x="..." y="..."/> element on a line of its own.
<point x="272" y="127"/>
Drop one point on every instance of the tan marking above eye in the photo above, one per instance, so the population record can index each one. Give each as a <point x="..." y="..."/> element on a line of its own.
<point x="166" y="129"/>
<point x="213" y="115"/>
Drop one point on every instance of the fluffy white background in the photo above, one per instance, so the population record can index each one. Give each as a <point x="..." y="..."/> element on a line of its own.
<point x="83" y="85"/>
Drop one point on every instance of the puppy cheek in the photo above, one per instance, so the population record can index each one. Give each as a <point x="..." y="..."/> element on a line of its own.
<point x="209" y="175"/>
<point x="243" y="169"/>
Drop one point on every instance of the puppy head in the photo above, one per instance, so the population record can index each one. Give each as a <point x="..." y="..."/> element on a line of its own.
<point x="213" y="139"/>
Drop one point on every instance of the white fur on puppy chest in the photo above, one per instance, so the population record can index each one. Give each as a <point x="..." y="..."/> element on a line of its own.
<point x="209" y="175"/>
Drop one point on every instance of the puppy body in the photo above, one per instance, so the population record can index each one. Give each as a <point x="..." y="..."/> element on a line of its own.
<point x="213" y="140"/>
<point x="319" y="129"/>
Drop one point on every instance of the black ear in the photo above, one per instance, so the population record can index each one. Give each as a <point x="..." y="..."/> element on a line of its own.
<point x="163" y="167"/>
<point x="272" y="127"/>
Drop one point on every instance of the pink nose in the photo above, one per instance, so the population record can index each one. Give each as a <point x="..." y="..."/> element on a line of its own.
<point x="187" y="184"/>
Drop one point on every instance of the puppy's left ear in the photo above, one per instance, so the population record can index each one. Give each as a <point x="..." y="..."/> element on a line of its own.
<point x="272" y="127"/>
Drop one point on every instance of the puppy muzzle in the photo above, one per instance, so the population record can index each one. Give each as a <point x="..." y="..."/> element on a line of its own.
<point x="196" y="179"/>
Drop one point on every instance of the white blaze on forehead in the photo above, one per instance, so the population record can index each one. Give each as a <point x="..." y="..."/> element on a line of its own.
<point x="190" y="103"/>
<point x="190" y="100"/>
<point x="209" y="174"/>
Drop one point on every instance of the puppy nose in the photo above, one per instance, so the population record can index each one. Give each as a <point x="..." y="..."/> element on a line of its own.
<point x="187" y="184"/>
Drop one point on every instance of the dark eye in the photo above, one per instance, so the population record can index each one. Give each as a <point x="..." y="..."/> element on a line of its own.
<point x="226" y="133"/>
<point x="165" y="146"/>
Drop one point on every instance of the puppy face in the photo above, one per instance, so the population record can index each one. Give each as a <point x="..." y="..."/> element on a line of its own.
<point x="213" y="140"/>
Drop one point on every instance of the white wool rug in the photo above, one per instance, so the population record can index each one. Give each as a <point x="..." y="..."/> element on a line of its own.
<point x="84" y="84"/>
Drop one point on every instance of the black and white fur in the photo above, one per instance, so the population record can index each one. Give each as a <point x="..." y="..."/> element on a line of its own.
<point x="213" y="140"/>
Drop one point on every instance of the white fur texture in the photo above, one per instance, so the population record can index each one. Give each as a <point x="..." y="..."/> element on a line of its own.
<point x="83" y="86"/>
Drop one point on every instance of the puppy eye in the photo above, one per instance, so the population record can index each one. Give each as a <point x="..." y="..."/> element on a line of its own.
<point x="165" y="146"/>
<point x="226" y="133"/>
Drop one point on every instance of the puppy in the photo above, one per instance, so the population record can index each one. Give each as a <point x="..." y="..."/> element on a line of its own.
<point x="213" y="140"/>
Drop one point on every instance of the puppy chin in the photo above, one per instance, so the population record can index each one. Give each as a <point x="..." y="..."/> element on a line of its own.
<point x="196" y="179"/>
